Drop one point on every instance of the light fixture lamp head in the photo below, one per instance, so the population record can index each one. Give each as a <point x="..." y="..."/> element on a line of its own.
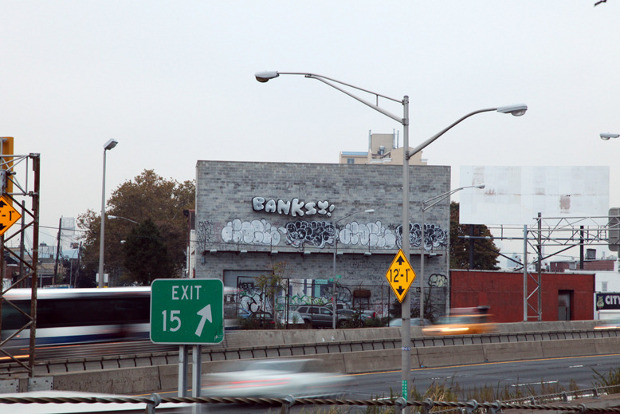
<point x="515" y="110"/>
<point x="605" y="136"/>
<point x="266" y="76"/>
<point x="110" y="144"/>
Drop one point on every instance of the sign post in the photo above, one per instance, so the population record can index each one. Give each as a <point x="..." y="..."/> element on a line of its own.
<point x="187" y="312"/>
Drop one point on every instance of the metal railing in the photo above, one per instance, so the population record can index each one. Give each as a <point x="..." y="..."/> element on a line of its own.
<point x="565" y="402"/>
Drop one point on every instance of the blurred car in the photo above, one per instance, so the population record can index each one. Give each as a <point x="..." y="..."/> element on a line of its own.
<point x="608" y="324"/>
<point x="413" y="322"/>
<point x="275" y="378"/>
<point x="294" y="318"/>
<point x="462" y="321"/>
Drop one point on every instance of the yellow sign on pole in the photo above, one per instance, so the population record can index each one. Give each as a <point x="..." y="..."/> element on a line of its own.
<point x="400" y="275"/>
<point x="8" y="215"/>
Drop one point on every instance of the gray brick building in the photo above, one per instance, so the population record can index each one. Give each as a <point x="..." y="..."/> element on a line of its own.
<point x="251" y="216"/>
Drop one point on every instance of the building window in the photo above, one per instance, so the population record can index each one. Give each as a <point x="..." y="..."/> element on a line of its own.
<point x="350" y="160"/>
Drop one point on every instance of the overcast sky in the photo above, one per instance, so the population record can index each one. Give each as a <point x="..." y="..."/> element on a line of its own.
<point x="173" y="82"/>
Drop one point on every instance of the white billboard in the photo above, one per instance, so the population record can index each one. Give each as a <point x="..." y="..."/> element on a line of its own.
<point x="515" y="195"/>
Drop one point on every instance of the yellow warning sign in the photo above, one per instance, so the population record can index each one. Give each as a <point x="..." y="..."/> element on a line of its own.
<point x="400" y="275"/>
<point x="8" y="215"/>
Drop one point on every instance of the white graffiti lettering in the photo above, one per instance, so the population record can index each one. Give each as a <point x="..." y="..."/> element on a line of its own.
<point x="294" y="207"/>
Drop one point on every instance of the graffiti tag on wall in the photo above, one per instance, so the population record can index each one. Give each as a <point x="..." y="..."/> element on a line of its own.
<point x="314" y="233"/>
<point x="322" y="234"/>
<point x="294" y="207"/>
<point x="434" y="236"/>
<point x="258" y="232"/>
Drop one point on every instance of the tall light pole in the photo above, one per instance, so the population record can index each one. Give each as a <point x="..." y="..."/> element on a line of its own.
<point x="404" y="121"/>
<point x="426" y="205"/>
<point x="108" y="146"/>
<point x="334" y="304"/>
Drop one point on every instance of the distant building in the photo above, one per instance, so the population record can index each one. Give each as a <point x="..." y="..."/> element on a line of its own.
<point x="382" y="149"/>
<point x="565" y="296"/>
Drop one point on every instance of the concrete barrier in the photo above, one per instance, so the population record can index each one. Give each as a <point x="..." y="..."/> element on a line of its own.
<point x="578" y="347"/>
<point x="607" y="346"/>
<point x="512" y="351"/>
<point x="118" y="381"/>
<point x="441" y="356"/>
<point x="375" y="361"/>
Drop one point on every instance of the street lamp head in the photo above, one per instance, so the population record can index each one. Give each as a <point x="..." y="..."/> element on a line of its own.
<point x="370" y="210"/>
<point x="515" y="110"/>
<point x="605" y="136"/>
<point x="110" y="144"/>
<point x="265" y="76"/>
<point x="481" y="186"/>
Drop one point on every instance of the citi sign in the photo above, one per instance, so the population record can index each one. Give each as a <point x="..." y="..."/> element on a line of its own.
<point x="607" y="301"/>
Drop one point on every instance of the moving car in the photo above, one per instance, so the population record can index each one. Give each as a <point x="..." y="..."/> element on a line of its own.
<point x="462" y="321"/>
<point x="608" y="324"/>
<point x="275" y="378"/>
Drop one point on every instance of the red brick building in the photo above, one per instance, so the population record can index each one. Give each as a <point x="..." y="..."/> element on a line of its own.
<point x="565" y="296"/>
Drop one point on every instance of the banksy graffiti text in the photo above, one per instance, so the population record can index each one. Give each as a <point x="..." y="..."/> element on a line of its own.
<point x="294" y="207"/>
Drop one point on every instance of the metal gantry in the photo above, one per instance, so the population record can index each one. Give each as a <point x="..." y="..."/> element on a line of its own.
<point x="21" y="182"/>
<point x="558" y="235"/>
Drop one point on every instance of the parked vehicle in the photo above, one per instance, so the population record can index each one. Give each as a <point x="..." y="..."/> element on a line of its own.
<point x="263" y="319"/>
<point x="321" y="316"/>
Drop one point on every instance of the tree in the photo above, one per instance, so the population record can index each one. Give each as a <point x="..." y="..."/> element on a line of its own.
<point x="147" y="197"/>
<point x="272" y="283"/>
<point x="485" y="252"/>
<point x="146" y="255"/>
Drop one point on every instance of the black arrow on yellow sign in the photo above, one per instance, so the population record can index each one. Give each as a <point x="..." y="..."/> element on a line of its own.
<point x="400" y="275"/>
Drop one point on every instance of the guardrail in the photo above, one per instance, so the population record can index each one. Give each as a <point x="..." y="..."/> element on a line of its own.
<point x="288" y="349"/>
<point x="564" y="402"/>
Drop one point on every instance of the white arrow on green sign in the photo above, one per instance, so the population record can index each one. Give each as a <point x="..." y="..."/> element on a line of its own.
<point x="187" y="311"/>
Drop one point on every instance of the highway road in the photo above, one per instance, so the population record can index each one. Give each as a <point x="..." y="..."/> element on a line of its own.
<point x="524" y="377"/>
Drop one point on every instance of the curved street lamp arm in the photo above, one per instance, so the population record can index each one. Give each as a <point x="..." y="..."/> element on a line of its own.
<point x="427" y="204"/>
<point x="443" y="131"/>
<point x="122" y="218"/>
<point x="330" y="82"/>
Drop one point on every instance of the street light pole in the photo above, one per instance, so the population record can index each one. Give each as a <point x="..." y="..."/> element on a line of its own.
<point x="426" y="205"/>
<point x="334" y="304"/>
<point x="108" y="146"/>
<point x="516" y="110"/>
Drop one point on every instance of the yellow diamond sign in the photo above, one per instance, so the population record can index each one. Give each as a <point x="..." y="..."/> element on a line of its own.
<point x="8" y="215"/>
<point x="400" y="275"/>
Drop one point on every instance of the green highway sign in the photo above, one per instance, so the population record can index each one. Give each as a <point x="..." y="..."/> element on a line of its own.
<point x="187" y="311"/>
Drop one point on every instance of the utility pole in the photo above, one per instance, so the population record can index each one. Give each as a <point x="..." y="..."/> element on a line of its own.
<point x="57" y="251"/>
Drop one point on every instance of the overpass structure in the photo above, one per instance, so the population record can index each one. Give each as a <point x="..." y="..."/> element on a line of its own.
<point x="346" y="350"/>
